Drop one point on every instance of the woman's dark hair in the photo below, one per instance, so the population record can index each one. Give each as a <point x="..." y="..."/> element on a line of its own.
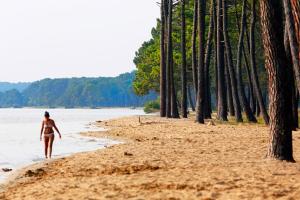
<point x="47" y="114"/>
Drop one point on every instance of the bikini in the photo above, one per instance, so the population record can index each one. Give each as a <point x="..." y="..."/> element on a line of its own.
<point x="48" y="135"/>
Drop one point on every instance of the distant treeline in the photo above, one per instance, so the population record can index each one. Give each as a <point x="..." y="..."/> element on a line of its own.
<point x="76" y="92"/>
<point x="5" y="86"/>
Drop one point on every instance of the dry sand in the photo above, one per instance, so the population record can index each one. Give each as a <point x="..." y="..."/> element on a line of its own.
<point x="166" y="159"/>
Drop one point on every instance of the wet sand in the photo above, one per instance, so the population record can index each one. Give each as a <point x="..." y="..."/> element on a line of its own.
<point x="166" y="159"/>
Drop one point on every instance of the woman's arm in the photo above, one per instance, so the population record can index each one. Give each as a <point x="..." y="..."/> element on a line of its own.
<point x="56" y="129"/>
<point x="42" y="130"/>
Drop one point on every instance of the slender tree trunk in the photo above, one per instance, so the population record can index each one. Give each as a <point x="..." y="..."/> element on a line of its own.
<point x="201" y="82"/>
<point x="245" y="104"/>
<point x="230" y="66"/>
<point x="229" y="89"/>
<point x="208" y="49"/>
<point x="174" y="102"/>
<point x="293" y="40"/>
<point x="216" y="53"/>
<point x="222" y="111"/>
<point x="245" y="55"/>
<point x="191" y="98"/>
<point x="169" y="60"/>
<point x="281" y="146"/>
<point x="174" y="106"/>
<point x="162" y="64"/>
<point x="254" y="75"/>
<point x="251" y="98"/>
<point x="194" y="47"/>
<point x="183" y="68"/>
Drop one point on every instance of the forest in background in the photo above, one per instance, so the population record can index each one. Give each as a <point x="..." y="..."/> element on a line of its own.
<point x="74" y="92"/>
<point x="219" y="51"/>
<point x="147" y="59"/>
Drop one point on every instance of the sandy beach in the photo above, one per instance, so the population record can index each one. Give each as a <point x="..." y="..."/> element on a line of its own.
<point x="165" y="159"/>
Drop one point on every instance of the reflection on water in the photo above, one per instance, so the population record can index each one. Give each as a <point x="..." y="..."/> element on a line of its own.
<point x="20" y="130"/>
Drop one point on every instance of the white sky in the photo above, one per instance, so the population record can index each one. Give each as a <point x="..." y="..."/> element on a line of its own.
<point x="71" y="38"/>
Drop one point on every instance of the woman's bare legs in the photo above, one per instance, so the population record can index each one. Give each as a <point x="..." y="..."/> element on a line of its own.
<point x="51" y="140"/>
<point x="46" y="141"/>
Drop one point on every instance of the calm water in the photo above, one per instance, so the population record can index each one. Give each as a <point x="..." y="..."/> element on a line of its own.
<point x="20" y="129"/>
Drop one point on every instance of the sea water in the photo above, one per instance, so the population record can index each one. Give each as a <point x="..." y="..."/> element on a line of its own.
<point x="20" y="143"/>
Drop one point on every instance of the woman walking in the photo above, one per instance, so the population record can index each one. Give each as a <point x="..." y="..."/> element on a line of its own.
<point x="47" y="129"/>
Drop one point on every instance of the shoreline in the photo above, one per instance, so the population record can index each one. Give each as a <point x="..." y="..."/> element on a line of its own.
<point x="12" y="176"/>
<point x="166" y="159"/>
<point x="19" y="173"/>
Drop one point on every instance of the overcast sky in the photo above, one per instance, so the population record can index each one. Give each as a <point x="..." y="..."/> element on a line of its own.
<point x="71" y="38"/>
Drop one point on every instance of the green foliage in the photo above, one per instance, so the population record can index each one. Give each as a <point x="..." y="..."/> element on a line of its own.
<point x="152" y="106"/>
<point x="147" y="59"/>
<point x="77" y="92"/>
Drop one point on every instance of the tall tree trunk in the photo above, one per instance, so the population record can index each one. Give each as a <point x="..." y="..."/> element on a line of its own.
<point x="183" y="68"/>
<point x="222" y="111"/>
<point x="251" y="98"/>
<point x="215" y="53"/>
<point x="229" y="89"/>
<point x="191" y="98"/>
<point x="194" y="47"/>
<point x="281" y="146"/>
<point x="230" y="66"/>
<point x="244" y="102"/>
<point x="174" y="102"/>
<point x="296" y="14"/>
<point x="169" y="60"/>
<point x="162" y="63"/>
<point x="294" y="90"/>
<point x="256" y="85"/>
<point x="201" y="82"/>
<point x="208" y="49"/>
<point x="174" y="106"/>
<point x="293" y="40"/>
<point x="245" y="55"/>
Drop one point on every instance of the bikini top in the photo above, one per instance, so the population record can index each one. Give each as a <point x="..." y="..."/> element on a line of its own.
<point x="48" y="125"/>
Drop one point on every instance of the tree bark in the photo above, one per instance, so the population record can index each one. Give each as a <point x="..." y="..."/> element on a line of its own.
<point x="222" y="111"/>
<point x="194" y="47"/>
<point x="296" y="15"/>
<point x="169" y="60"/>
<point x="216" y="53"/>
<point x="294" y="90"/>
<point x="230" y="66"/>
<point x="201" y="82"/>
<point x="293" y="40"/>
<point x="255" y="81"/>
<point x="295" y="108"/>
<point x="208" y="49"/>
<point x="279" y="73"/>
<point x="183" y="68"/>
<point x="244" y="102"/>
<point x="229" y="89"/>
<point x="174" y="106"/>
<point x="162" y="63"/>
